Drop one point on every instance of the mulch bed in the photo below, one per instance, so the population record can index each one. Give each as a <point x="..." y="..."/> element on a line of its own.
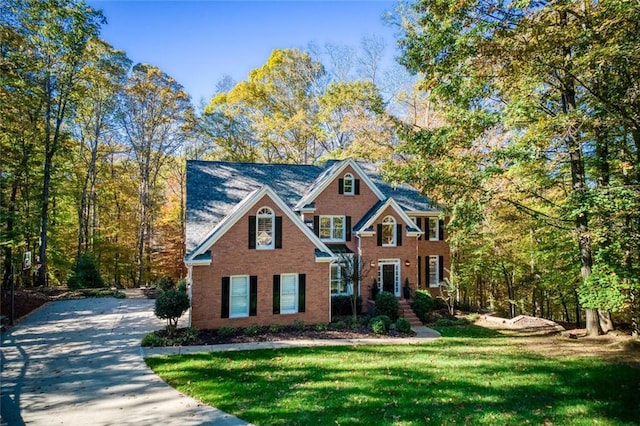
<point x="25" y="301"/>
<point x="211" y="337"/>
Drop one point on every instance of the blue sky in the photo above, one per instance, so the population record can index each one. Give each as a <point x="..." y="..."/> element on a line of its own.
<point x="198" y="42"/>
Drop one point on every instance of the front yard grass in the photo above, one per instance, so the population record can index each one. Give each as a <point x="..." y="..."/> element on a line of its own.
<point x="470" y="376"/>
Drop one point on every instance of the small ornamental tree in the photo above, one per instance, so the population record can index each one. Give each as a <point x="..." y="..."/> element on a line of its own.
<point x="170" y="305"/>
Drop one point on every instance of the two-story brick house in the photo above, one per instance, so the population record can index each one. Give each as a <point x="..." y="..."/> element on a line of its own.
<point x="264" y="241"/>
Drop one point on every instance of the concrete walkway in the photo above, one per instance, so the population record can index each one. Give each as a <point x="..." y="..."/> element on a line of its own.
<point x="78" y="362"/>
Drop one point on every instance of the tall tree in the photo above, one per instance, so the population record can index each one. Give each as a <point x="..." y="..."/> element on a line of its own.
<point x="102" y="79"/>
<point x="54" y="39"/>
<point x="514" y="73"/>
<point x="154" y="115"/>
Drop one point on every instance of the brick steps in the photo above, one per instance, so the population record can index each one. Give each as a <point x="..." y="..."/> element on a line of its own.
<point x="404" y="310"/>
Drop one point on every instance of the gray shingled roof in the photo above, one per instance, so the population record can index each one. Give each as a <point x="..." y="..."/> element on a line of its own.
<point x="407" y="197"/>
<point x="214" y="188"/>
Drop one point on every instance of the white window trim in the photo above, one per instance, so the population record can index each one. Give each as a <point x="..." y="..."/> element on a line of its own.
<point x="394" y="228"/>
<point x="436" y="272"/>
<point x="231" y="285"/>
<point x="296" y="287"/>
<point x="348" y="291"/>
<point x="332" y="217"/>
<point x="261" y="215"/>
<point x="349" y="177"/>
<point x="436" y="220"/>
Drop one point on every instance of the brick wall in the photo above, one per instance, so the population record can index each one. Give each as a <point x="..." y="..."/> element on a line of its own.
<point x="231" y="256"/>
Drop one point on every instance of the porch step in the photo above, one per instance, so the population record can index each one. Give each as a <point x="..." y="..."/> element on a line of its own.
<point x="404" y="310"/>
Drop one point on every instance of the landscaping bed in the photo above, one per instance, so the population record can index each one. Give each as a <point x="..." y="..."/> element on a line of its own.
<point x="334" y="330"/>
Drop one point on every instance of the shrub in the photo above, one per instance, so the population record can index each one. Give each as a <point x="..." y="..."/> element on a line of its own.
<point x="422" y="304"/>
<point x="340" y="325"/>
<point x="182" y="285"/>
<point x="85" y="273"/>
<point x="298" y="325"/>
<point x="341" y="305"/>
<point x="387" y="304"/>
<point x="253" y="330"/>
<point x="380" y="324"/>
<point x="276" y="328"/>
<point x="403" y="325"/>
<point x="119" y="295"/>
<point x="449" y="322"/>
<point x="152" y="339"/>
<point x="320" y="327"/>
<point x="170" y="305"/>
<point x="226" y="331"/>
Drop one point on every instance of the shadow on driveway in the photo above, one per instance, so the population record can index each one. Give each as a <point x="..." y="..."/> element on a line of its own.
<point x="79" y="362"/>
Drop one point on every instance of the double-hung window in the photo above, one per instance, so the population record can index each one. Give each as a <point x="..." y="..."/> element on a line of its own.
<point x="434" y="228"/>
<point x="288" y="293"/>
<point x="332" y="228"/>
<point x="239" y="296"/>
<point x="264" y="229"/>
<point x="338" y="285"/>
<point x="389" y="231"/>
<point x="348" y="184"/>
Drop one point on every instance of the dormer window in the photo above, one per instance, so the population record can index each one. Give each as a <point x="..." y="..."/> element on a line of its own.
<point x="348" y="184"/>
<point x="389" y="231"/>
<point x="264" y="229"/>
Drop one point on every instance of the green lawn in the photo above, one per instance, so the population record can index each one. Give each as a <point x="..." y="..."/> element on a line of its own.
<point x="470" y="376"/>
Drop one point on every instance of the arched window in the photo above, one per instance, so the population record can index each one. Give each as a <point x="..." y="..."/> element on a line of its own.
<point x="348" y="184"/>
<point x="264" y="229"/>
<point x="389" y="231"/>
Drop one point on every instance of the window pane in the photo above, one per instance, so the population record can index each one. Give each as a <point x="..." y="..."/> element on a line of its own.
<point x="433" y="271"/>
<point x="348" y="185"/>
<point x="433" y="228"/>
<point x="239" y="297"/>
<point x="335" y="279"/>
<point x="388" y="234"/>
<point x="265" y="231"/>
<point x="288" y="293"/>
<point x="338" y="228"/>
<point x="325" y="227"/>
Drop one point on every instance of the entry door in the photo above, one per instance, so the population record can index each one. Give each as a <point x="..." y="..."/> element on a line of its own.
<point x="389" y="278"/>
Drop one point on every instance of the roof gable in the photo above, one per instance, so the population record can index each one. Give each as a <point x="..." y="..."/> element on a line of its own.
<point x="323" y="253"/>
<point x="369" y="219"/>
<point x="329" y="175"/>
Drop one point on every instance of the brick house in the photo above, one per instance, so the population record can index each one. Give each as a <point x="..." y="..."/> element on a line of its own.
<point x="265" y="242"/>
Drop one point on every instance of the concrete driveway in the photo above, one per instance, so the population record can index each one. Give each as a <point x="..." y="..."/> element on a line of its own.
<point x="78" y="362"/>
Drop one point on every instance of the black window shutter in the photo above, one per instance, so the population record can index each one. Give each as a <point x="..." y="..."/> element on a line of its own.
<point x="347" y="224"/>
<point x="340" y="186"/>
<point x="427" y="236"/>
<point x="316" y="225"/>
<point x="399" y="234"/>
<point x="278" y="230"/>
<point x="427" y="272"/>
<point x="356" y="187"/>
<point x="253" y="295"/>
<point x="379" y="234"/>
<point x="441" y="267"/>
<point x="419" y="225"/>
<point x="302" y="286"/>
<point x="441" y="229"/>
<point x="276" y="294"/>
<point x="252" y="232"/>
<point x="226" y="282"/>
<point x="419" y="271"/>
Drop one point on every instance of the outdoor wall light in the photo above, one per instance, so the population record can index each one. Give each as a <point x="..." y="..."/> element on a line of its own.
<point x="373" y="264"/>
<point x="407" y="262"/>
